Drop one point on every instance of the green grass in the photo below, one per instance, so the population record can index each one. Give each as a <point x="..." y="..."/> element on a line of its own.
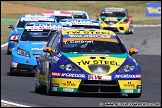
<point x="135" y="8"/>
<point x="4" y="28"/>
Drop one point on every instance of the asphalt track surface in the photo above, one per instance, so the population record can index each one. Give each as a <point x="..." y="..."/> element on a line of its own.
<point x="147" y="40"/>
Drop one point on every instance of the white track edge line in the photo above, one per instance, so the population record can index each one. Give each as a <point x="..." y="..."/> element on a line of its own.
<point x="14" y="104"/>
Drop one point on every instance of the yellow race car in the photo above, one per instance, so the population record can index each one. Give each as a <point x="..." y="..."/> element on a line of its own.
<point x="116" y="19"/>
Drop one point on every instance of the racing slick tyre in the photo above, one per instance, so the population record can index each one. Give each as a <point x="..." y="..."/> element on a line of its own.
<point x="11" y="73"/>
<point x="130" y="31"/>
<point x="37" y="86"/>
<point x="136" y="95"/>
<point x="8" y="52"/>
<point x="49" y="92"/>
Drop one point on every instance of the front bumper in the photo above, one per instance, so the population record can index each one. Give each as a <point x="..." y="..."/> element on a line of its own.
<point x="121" y="28"/>
<point x="96" y="86"/>
<point x="22" y="68"/>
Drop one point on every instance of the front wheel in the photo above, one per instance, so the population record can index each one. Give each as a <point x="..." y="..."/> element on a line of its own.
<point x="11" y="73"/>
<point x="8" y="52"/>
<point x="38" y="88"/>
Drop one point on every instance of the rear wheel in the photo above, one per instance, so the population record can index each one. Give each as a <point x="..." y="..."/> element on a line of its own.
<point x="49" y="82"/>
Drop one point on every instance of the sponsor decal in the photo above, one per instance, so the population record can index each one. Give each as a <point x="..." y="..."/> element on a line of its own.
<point x="129" y="85"/>
<point x="127" y="76"/>
<point x="80" y="41"/>
<point x="98" y="77"/>
<point x="128" y="91"/>
<point x="56" y="74"/>
<point x="68" y="83"/>
<point x="68" y="89"/>
<point x="138" y="76"/>
<point x="153" y="10"/>
<point x="94" y="77"/>
<point x="55" y="85"/>
<point x="90" y="36"/>
<point x="54" y="88"/>
<point x="37" y="48"/>
<point x="84" y="62"/>
<point x="93" y="33"/>
<point x="73" y="75"/>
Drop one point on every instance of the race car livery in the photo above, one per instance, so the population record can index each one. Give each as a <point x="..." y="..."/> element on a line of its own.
<point x="82" y="23"/>
<point x="78" y="14"/>
<point x="116" y="19"/>
<point x="87" y="61"/>
<point x="33" y="39"/>
<point x="24" y="19"/>
<point x="59" y="14"/>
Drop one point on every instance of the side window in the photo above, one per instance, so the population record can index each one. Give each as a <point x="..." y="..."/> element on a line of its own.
<point x="55" y="43"/>
<point x="52" y="39"/>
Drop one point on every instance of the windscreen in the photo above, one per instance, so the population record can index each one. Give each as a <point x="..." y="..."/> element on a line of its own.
<point x="92" y="46"/>
<point x="58" y="18"/>
<point x="84" y="27"/>
<point x="113" y="14"/>
<point x="80" y="16"/>
<point x="21" y="24"/>
<point x="36" y="35"/>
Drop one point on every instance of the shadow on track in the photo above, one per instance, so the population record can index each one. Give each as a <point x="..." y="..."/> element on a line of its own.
<point x="90" y="95"/>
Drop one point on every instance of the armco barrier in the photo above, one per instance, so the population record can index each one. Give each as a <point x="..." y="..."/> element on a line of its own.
<point x="153" y="10"/>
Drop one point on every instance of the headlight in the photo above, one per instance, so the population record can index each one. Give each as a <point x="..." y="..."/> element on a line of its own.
<point x="23" y="52"/>
<point x="68" y="67"/>
<point x="127" y="68"/>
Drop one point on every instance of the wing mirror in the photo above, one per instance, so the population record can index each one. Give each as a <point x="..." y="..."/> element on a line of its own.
<point x="47" y="49"/>
<point x="133" y="51"/>
<point x="97" y="15"/>
<point x="11" y="26"/>
<point x="129" y="16"/>
<point x="14" y="38"/>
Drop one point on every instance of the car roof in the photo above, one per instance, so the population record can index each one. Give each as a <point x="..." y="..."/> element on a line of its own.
<point x="42" y="23"/>
<point x="57" y="12"/>
<point x="45" y="25"/>
<point x="36" y="15"/>
<point x="75" y="19"/>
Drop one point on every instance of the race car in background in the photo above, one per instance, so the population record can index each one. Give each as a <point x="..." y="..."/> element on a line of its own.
<point x="59" y="14"/>
<point x="79" y="14"/>
<point x="24" y="19"/>
<point x="32" y="40"/>
<point x="87" y="61"/>
<point x="116" y="19"/>
<point x="82" y="23"/>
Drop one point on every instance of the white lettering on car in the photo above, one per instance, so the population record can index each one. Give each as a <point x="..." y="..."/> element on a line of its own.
<point x="73" y="75"/>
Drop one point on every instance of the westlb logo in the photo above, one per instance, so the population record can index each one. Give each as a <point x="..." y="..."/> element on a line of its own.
<point x="153" y="10"/>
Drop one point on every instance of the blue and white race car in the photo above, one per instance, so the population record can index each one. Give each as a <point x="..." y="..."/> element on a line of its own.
<point x="32" y="40"/>
<point x="82" y="23"/>
<point x="24" y="19"/>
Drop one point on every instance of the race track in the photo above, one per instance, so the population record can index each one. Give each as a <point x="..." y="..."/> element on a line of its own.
<point x="147" y="40"/>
